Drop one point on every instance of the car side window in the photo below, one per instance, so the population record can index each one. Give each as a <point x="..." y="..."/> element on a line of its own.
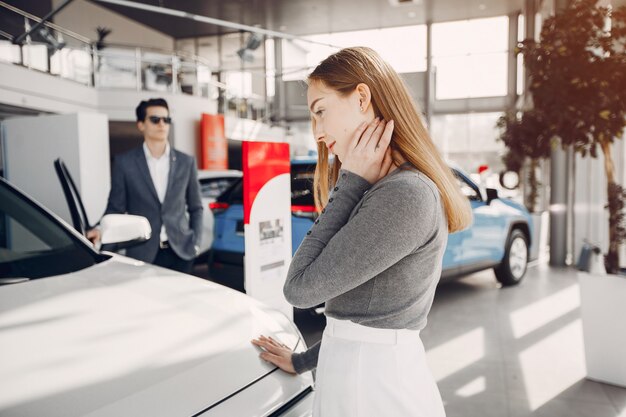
<point x="213" y="187"/>
<point x="468" y="191"/>
<point x="33" y="245"/>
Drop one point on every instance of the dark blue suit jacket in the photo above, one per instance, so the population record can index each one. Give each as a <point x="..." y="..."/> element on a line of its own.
<point x="133" y="192"/>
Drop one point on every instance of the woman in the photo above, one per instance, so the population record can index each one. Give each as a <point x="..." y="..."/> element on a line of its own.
<point x="374" y="255"/>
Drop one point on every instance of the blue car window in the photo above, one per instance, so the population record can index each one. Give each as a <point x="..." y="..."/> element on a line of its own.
<point x="467" y="190"/>
<point x="301" y="187"/>
<point x="213" y="187"/>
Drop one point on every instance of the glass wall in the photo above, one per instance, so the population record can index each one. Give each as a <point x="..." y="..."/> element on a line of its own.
<point x="469" y="139"/>
<point x="470" y="61"/>
<point x="470" y="58"/>
<point x="300" y="57"/>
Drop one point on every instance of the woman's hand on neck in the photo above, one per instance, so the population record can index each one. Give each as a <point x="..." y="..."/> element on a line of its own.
<point x="396" y="161"/>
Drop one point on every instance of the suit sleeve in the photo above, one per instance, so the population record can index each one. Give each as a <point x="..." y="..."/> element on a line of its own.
<point x="194" y="203"/>
<point x="340" y="253"/>
<point x="117" y="195"/>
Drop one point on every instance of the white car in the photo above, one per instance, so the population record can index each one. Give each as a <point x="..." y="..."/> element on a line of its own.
<point x="87" y="333"/>
<point x="212" y="184"/>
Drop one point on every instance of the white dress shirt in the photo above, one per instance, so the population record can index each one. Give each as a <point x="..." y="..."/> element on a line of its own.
<point x="159" y="171"/>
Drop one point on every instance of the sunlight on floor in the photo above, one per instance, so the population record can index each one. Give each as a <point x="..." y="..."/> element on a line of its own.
<point x="533" y="316"/>
<point x="472" y="388"/>
<point x="550" y="366"/>
<point x="456" y="354"/>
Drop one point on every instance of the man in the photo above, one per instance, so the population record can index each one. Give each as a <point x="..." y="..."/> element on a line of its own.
<point x="161" y="184"/>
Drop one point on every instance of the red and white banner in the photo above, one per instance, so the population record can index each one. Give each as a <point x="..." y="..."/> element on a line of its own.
<point x="267" y="221"/>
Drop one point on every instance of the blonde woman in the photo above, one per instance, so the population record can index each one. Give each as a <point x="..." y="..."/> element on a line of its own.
<point x="374" y="255"/>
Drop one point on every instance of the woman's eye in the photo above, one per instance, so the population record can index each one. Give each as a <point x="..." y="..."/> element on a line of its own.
<point x="319" y="112"/>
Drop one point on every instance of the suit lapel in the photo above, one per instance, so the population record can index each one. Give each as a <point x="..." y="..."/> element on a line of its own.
<point x="142" y="164"/>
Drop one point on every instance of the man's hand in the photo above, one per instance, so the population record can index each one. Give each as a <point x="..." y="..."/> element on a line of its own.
<point x="275" y="353"/>
<point x="369" y="155"/>
<point x="94" y="235"/>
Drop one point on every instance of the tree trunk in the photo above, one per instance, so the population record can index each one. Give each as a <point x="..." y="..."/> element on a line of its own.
<point x="612" y="258"/>
<point x="533" y="184"/>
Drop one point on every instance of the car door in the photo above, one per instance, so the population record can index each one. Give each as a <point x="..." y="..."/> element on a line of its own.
<point x="481" y="244"/>
<point x="454" y="256"/>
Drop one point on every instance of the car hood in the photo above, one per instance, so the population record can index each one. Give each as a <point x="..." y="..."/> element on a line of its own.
<point x="124" y="335"/>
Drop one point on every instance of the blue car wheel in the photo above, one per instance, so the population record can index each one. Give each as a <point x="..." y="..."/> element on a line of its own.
<point x="513" y="267"/>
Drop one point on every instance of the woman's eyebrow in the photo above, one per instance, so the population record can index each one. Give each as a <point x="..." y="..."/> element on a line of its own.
<point x="315" y="101"/>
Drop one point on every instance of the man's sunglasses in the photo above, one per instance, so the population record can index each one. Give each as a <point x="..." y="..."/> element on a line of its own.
<point x="156" y="119"/>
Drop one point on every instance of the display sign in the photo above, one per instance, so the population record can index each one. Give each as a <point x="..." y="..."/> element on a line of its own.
<point x="213" y="142"/>
<point x="267" y="221"/>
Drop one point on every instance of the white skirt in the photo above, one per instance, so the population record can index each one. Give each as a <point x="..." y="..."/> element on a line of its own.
<point x="363" y="371"/>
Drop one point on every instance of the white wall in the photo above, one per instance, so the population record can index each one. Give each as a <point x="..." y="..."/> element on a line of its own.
<point x="81" y="140"/>
<point x="22" y="87"/>
<point x="124" y="30"/>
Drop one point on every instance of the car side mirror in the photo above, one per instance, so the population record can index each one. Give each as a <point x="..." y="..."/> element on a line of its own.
<point x="124" y="230"/>
<point x="492" y="194"/>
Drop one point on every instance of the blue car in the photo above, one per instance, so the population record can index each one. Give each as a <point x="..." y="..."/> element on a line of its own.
<point x="499" y="238"/>
<point x="226" y="255"/>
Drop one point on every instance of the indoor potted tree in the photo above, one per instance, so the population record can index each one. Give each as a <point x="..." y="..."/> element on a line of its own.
<point x="577" y="74"/>
<point x="528" y="141"/>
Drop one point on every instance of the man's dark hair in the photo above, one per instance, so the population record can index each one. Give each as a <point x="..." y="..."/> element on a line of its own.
<point x="141" y="109"/>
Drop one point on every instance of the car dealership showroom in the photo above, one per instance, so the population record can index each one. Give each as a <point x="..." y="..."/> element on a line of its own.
<point x="326" y="208"/>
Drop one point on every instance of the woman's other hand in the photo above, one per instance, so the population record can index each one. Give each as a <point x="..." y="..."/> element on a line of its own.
<point x="275" y="353"/>
<point x="369" y="154"/>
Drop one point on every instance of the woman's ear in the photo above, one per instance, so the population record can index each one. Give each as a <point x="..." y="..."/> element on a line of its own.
<point x="364" y="96"/>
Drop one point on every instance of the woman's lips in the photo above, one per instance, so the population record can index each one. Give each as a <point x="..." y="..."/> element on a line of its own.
<point x="330" y="147"/>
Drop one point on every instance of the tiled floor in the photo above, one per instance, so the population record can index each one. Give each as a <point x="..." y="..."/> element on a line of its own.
<point x="514" y="351"/>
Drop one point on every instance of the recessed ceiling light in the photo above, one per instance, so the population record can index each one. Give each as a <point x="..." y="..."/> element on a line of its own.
<point x="412" y="15"/>
<point x="482" y="6"/>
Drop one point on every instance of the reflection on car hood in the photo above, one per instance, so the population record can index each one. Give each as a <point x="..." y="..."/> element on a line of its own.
<point x="124" y="336"/>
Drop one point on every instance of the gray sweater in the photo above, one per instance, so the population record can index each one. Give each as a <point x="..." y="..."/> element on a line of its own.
<point x="374" y="255"/>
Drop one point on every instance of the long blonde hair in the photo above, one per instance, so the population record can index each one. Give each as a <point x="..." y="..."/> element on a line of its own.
<point x="346" y="69"/>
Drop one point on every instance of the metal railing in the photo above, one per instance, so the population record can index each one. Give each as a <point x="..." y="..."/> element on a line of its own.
<point x="71" y="56"/>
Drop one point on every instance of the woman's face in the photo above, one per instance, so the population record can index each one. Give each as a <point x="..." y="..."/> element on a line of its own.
<point x="336" y="118"/>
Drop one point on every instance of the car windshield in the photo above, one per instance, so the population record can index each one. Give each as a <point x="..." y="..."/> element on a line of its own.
<point x="302" y="184"/>
<point x="468" y="190"/>
<point x="33" y="244"/>
<point x="213" y="187"/>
